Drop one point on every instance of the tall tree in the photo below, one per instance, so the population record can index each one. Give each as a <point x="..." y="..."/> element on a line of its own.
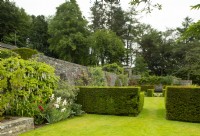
<point x="148" y="5"/>
<point x="157" y="52"/>
<point x="108" y="14"/>
<point x="68" y="31"/>
<point x="38" y="36"/>
<point x="107" y="47"/>
<point x="14" y="24"/>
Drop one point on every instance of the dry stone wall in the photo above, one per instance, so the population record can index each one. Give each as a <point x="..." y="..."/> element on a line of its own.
<point x="70" y="71"/>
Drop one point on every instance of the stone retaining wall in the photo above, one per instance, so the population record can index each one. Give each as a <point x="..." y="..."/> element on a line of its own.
<point x="16" y="126"/>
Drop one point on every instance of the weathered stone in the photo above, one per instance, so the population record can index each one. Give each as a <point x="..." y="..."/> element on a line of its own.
<point x="16" y="126"/>
<point x="70" y="71"/>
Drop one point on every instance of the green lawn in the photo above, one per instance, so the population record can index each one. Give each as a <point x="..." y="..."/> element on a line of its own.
<point x="151" y="122"/>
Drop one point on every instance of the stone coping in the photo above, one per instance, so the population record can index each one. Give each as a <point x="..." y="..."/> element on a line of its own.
<point x="16" y="126"/>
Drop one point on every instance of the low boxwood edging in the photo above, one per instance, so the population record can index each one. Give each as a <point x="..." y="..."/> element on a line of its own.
<point x="183" y="103"/>
<point x="111" y="100"/>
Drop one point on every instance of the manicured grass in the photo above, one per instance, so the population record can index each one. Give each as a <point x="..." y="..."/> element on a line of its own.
<point x="151" y="122"/>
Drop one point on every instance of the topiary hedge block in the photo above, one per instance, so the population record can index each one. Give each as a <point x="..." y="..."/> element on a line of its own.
<point x="144" y="88"/>
<point x="163" y="92"/>
<point x="183" y="103"/>
<point x="150" y="92"/>
<point x="112" y="101"/>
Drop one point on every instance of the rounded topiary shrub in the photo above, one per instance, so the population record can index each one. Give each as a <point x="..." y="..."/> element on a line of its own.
<point x="4" y="53"/>
<point x="114" y="68"/>
<point x="25" y="53"/>
<point x="25" y="85"/>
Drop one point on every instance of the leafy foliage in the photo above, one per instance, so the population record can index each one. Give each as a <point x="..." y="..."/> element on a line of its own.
<point x="122" y="80"/>
<point x="192" y="31"/>
<point x="62" y="104"/>
<point x="108" y="15"/>
<point x="114" y="68"/>
<point x="97" y="76"/>
<point x="82" y="79"/>
<point x="107" y="47"/>
<point x="153" y="80"/>
<point x="148" y="5"/>
<point x="4" y="53"/>
<point x="68" y="31"/>
<point x="69" y="93"/>
<point x="15" y="24"/>
<point x="38" y="36"/>
<point x="25" y="53"/>
<point x="25" y="84"/>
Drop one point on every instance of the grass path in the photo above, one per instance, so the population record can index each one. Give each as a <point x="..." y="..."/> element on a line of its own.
<point x="151" y="122"/>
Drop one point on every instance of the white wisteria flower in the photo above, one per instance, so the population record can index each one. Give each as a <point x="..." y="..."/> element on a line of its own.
<point x="57" y="106"/>
<point x="52" y="97"/>
<point x="58" y="100"/>
<point x="64" y="103"/>
<point x="63" y="110"/>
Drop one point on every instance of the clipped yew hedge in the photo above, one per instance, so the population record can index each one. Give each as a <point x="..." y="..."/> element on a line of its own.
<point x="144" y="88"/>
<point x="183" y="103"/>
<point x="150" y="92"/>
<point x="112" y="100"/>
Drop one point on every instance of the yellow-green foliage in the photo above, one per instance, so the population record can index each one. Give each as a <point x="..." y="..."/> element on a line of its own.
<point x="111" y="100"/>
<point x="183" y="103"/>
<point x="114" y="68"/>
<point x="4" y="53"/>
<point x="24" y="83"/>
<point x="164" y="91"/>
<point x="141" y="101"/>
<point x="25" y="53"/>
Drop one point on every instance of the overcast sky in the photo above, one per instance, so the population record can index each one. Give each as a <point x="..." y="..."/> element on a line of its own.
<point x="172" y="14"/>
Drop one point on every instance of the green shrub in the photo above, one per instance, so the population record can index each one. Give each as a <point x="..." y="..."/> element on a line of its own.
<point x="153" y="80"/>
<point x="132" y="82"/>
<point x="69" y="93"/>
<point x="122" y="80"/>
<point x="141" y="101"/>
<point x="82" y="79"/>
<point x="4" y="53"/>
<point x="57" y="109"/>
<point x="96" y="76"/>
<point x="113" y="100"/>
<point x="164" y="91"/>
<point x="113" y="68"/>
<point x="26" y="84"/>
<point x="25" y="53"/>
<point x="118" y="82"/>
<point x="183" y="103"/>
<point x="150" y="92"/>
<point x="144" y="88"/>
